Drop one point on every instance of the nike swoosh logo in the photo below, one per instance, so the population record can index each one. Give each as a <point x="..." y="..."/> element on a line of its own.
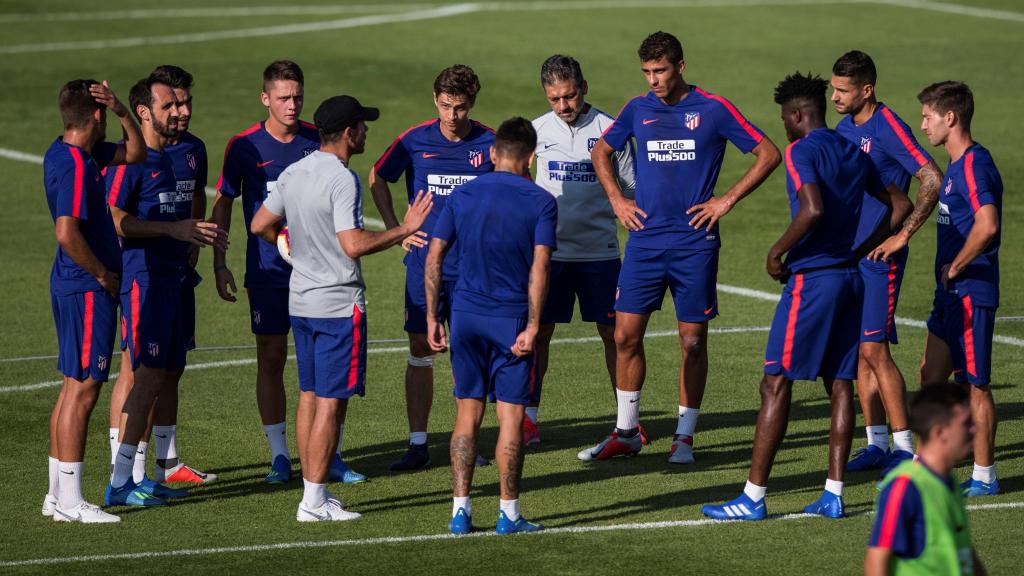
<point x="262" y="164"/>
<point x="315" y="515"/>
<point x="425" y="155"/>
<point x="770" y="362"/>
<point x="154" y="174"/>
<point x="634" y="401"/>
<point x="871" y="332"/>
<point x="68" y="473"/>
<point x="647" y="121"/>
<point x="611" y="314"/>
<point x="160" y="435"/>
<point x="708" y="310"/>
<point x="126" y="457"/>
<point x="546" y="146"/>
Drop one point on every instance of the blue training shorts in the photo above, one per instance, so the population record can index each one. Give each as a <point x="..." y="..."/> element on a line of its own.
<point x="882" y="282"/>
<point x="154" y="324"/>
<point x="268" y="310"/>
<point x="331" y="354"/>
<point x="593" y="282"/>
<point x="967" y="329"/>
<point x="815" y="330"/>
<point x="483" y="364"/>
<point x="690" y="275"/>
<point x="416" y="301"/>
<point x="86" y="325"/>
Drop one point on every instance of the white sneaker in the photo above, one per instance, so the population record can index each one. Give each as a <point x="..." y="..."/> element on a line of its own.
<point x="681" y="453"/>
<point x="49" y="504"/>
<point x="330" y="511"/>
<point x="85" y="513"/>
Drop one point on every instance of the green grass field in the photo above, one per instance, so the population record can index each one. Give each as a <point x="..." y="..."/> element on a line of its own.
<point x="606" y="515"/>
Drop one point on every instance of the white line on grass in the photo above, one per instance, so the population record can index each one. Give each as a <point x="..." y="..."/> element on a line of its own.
<point x="457" y="9"/>
<point x="248" y="361"/>
<point x="20" y="156"/>
<point x="262" y="31"/>
<point x="412" y="539"/>
<point x="213" y="12"/>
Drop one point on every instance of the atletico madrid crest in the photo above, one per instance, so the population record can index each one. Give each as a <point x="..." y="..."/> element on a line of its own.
<point x="154" y="349"/>
<point x="476" y="158"/>
<point x="865" y="144"/>
<point x="191" y="159"/>
<point x="692" y="120"/>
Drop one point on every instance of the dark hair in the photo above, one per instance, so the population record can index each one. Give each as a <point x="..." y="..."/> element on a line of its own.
<point x="797" y="86"/>
<point x="560" y="68"/>
<point x="282" y="70"/>
<point x="858" y="66"/>
<point x="457" y="80"/>
<point x="661" y="44"/>
<point x="141" y="94"/>
<point x="173" y="76"/>
<point x="933" y="406"/>
<point x="950" y="95"/>
<point x="77" y="104"/>
<point x="515" y="138"/>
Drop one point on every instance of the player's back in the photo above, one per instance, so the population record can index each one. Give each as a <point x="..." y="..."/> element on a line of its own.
<point x="498" y="219"/>
<point x="843" y="173"/>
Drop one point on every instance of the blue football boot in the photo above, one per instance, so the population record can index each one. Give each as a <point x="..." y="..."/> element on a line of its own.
<point x="159" y="490"/>
<point x="130" y="495"/>
<point x="741" y="508"/>
<point x="829" y="506"/>
<point x="506" y="526"/>
<point x="870" y="458"/>
<point x="461" y="523"/>
<point x="280" y="470"/>
<point x="895" y="458"/>
<point x="340" y="472"/>
<point x="972" y="488"/>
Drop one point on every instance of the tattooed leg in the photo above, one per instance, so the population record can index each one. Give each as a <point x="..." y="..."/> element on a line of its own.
<point x="509" y="452"/>
<point x="469" y="413"/>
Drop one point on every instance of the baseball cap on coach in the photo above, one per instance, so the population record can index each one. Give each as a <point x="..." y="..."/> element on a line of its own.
<point x="339" y="112"/>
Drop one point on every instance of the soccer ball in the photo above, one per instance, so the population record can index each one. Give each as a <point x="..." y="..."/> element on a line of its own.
<point x="284" y="245"/>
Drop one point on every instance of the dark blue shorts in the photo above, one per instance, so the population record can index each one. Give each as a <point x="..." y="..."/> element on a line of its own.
<point x="188" y="308"/>
<point x="154" y="323"/>
<point x="816" y="326"/>
<point x="691" y="277"/>
<point x="268" y="310"/>
<point x="967" y="329"/>
<point x="483" y="365"/>
<point x="882" y="282"/>
<point x="594" y="284"/>
<point x="416" y="301"/>
<point x="86" y="325"/>
<point x="331" y="355"/>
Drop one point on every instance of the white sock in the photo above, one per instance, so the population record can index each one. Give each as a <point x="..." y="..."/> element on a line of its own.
<point x="69" y="489"/>
<point x="687" y="421"/>
<point x="510" y="508"/>
<point x="277" y="436"/>
<point x="341" y="434"/>
<point x="903" y="440"/>
<point x="878" y="436"/>
<point x="123" y="465"/>
<point x="313" y="495"/>
<point x="629" y="409"/>
<point x="754" y="492"/>
<point x="114" y="443"/>
<point x="531" y="413"/>
<point x="139" y="466"/>
<point x="834" y="486"/>
<point x="462" y="502"/>
<point x="165" y="441"/>
<point x="984" y="474"/>
<point x="53" y="467"/>
<point x="418" y="438"/>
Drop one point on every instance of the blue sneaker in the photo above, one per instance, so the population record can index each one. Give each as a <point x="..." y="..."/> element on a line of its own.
<point x="870" y="458"/>
<point x="280" y="470"/>
<point x="829" y="506"/>
<point x="415" y="458"/>
<point x="506" y="526"/>
<point x="974" y="487"/>
<point x="340" y="472"/>
<point x="159" y="490"/>
<point x="461" y="523"/>
<point x="895" y="458"/>
<point x="741" y="508"/>
<point x="130" y="495"/>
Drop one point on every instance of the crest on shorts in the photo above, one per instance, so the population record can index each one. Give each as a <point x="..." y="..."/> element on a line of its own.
<point x="691" y="120"/>
<point x="476" y="158"/>
<point x="102" y="362"/>
<point x="590" y="144"/>
<point x="865" y="144"/>
<point x="256" y="316"/>
<point x="154" y="348"/>
<point x="191" y="160"/>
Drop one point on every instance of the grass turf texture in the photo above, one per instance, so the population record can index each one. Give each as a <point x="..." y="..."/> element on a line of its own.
<point x="739" y="52"/>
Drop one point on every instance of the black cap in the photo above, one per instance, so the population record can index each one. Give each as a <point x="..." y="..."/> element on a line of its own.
<point x="340" y="112"/>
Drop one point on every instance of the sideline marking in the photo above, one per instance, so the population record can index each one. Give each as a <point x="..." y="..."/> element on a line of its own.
<point x="419" y="538"/>
<point x="248" y="361"/>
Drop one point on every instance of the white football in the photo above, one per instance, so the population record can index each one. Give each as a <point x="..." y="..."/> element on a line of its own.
<point x="284" y="245"/>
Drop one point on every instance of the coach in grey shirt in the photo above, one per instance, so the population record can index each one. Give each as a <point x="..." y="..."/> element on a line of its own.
<point x="586" y="264"/>
<point x="322" y="201"/>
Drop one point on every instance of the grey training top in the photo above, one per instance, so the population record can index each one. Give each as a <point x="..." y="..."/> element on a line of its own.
<point x="320" y="197"/>
<point x="586" y="221"/>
